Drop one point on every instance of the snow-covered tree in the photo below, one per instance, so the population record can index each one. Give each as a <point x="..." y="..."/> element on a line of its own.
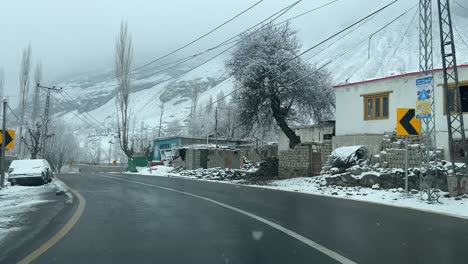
<point x="62" y="146"/>
<point x="276" y="86"/>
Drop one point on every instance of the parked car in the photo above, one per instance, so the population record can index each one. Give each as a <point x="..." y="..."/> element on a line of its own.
<point x="30" y="171"/>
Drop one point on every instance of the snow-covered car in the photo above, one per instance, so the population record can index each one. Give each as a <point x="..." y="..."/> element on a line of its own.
<point x="29" y="171"/>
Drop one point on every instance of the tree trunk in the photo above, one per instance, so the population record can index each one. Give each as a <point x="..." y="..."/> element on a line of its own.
<point x="280" y="118"/>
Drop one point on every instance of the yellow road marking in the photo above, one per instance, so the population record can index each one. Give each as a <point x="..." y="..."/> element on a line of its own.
<point x="61" y="233"/>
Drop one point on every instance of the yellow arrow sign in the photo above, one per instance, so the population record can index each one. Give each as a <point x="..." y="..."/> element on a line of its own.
<point x="10" y="138"/>
<point x="407" y="124"/>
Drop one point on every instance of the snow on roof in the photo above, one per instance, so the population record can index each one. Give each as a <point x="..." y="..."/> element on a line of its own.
<point x="389" y="77"/>
<point x="27" y="163"/>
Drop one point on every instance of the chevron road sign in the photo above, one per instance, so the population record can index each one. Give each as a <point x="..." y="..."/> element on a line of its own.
<point x="407" y="124"/>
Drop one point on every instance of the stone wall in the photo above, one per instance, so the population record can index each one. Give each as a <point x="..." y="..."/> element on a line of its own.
<point x="326" y="148"/>
<point x="393" y="152"/>
<point x="192" y="159"/>
<point x="295" y="162"/>
<point x="305" y="160"/>
<point x="224" y="158"/>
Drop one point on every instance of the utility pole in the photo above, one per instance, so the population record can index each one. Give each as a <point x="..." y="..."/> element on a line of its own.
<point x="450" y="72"/>
<point x="426" y="65"/>
<point x="216" y="126"/>
<point x="454" y="111"/>
<point x="2" y="158"/>
<point x="46" y="116"/>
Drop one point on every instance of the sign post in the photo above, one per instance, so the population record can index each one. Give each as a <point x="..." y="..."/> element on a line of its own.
<point x="407" y="125"/>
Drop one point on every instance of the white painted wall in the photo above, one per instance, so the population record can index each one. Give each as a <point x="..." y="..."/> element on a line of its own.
<point x="307" y="134"/>
<point x="349" y="106"/>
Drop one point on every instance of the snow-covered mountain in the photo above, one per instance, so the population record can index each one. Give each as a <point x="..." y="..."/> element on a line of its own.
<point x="392" y="51"/>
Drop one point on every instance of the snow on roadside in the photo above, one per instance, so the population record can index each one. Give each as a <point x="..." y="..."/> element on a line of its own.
<point x="155" y="171"/>
<point x="16" y="201"/>
<point x="315" y="185"/>
<point x="392" y="197"/>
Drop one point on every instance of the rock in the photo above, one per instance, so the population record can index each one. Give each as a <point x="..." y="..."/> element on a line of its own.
<point x="413" y="191"/>
<point x="60" y="192"/>
<point x="400" y="189"/>
<point x="334" y="193"/>
<point x="458" y="198"/>
<point x="345" y="179"/>
<point x="376" y="186"/>
<point x="349" y="194"/>
<point x="447" y="195"/>
<point x="368" y="180"/>
<point x="355" y="170"/>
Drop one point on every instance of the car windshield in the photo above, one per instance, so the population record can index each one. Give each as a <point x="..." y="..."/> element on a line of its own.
<point x="234" y="131"/>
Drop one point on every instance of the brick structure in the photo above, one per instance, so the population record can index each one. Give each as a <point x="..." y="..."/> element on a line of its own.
<point x="211" y="158"/>
<point x="393" y="151"/>
<point x="304" y="160"/>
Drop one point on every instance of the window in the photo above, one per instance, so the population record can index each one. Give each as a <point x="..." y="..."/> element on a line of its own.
<point x="164" y="146"/>
<point x="452" y="95"/>
<point x="376" y="106"/>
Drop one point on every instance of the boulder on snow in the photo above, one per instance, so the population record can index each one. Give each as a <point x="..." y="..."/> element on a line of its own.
<point x="368" y="180"/>
<point x="355" y="170"/>
<point x="345" y="179"/>
<point x="346" y="157"/>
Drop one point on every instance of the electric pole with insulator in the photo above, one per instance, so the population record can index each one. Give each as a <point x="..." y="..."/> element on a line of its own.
<point x="45" y="118"/>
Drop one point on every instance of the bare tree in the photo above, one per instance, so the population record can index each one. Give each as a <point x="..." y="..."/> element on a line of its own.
<point x="276" y="86"/>
<point x="123" y="61"/>
<point x="195" y="93"/>
<point x="37" y="79"/>
<point x="24" y="90"/>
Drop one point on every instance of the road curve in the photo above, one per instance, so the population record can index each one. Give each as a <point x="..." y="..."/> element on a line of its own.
<point x="131" y="219"/>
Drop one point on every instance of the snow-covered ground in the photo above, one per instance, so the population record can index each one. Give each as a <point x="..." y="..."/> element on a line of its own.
<point x="17" y="201"/>
<point x="314" y="185"/>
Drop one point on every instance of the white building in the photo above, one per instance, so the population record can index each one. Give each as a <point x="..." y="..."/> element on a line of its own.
<point x="313" y="133"/>
<point x="366" y="110"/>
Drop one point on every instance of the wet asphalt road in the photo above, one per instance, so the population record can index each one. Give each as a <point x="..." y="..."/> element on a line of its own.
<point x="126" y="222"/>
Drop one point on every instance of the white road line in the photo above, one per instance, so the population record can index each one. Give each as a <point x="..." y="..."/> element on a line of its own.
<point x="332" y="254"/>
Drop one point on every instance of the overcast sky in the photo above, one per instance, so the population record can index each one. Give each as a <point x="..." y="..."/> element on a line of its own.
<point x="75" y="37"/>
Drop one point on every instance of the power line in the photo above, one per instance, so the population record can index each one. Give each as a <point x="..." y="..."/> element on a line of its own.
<point x="281" y="12"/>
<point x="197" y="39"/>
<point x="309" y="11"/>
<point x="385" y="26"/>
<point x="230" y="40"/>
<point x="86" y="121"/>
<point x="340" y="38"/>
<point x="321" y="67"/>
<point x="76" y="103"/>
<point x="456" y="2"/>
<point x="459" y="34"/>
<point x="222" y="44"/>
<point x="406" y="32"/>
<point x="334" y="35"/>
<point x="13" y="112"/>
